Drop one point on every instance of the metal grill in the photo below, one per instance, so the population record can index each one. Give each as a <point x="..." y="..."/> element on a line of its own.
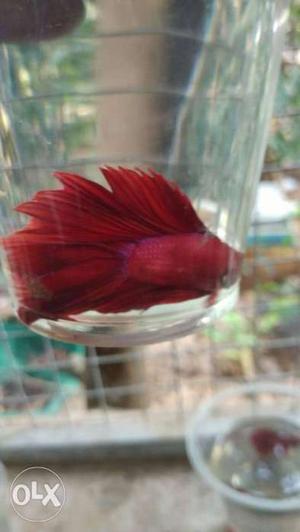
<point x="55" y="396"/>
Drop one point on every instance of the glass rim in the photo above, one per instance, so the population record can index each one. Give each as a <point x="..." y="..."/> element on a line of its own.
<point x="199" y="463"/>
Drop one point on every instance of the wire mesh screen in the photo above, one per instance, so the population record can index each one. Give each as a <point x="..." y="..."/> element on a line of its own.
<point x="56" y="395"/>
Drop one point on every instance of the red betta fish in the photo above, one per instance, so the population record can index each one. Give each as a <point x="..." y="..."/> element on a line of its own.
<point x="266" y="440"/>
<point x="136" y="245"/>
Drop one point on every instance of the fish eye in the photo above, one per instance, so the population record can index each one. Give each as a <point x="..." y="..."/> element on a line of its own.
<point x="226" y="280"/>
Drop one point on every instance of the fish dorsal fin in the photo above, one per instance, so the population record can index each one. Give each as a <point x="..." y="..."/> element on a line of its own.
<point x="153" y="204"/>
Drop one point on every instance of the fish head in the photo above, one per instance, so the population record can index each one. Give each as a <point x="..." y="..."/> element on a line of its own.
<point x="232" y="268"/>
<point x="218" y="263"/>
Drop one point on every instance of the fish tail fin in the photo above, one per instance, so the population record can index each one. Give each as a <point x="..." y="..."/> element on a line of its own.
<point x="26" y="316"/>
<point x="56" y="280"/>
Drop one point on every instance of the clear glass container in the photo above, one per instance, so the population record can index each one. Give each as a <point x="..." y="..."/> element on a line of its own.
<point x="184" y="89"/>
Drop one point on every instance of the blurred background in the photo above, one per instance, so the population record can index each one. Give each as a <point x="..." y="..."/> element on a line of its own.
<point x="126" y="409"/>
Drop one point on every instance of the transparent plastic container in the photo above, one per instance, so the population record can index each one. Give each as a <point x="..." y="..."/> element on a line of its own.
<point x="245" y="443"/>
<point x="184" y="89"/>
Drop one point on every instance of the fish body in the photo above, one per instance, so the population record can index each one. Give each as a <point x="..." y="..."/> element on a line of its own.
<point x="265" y="441"/>
<point x="139" y="244"/>
<point x="192" y="261"/>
